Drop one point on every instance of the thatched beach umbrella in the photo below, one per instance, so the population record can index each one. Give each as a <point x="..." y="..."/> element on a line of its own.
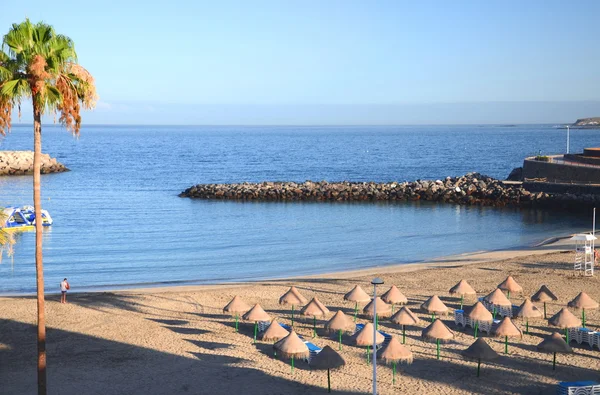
<point x="357" y="295"/>
<point x="497" y="298"/>
<point x="510" y="285"/>
<point x="544" y="295"/>
<point x="462" y="288"/>
<point x="236" y="307"/>
<point x="434" y="306"/>
<point x="327" y="359"/>
<point x="393" y="353"/>
<point x="479" y="314"/>
<point x="393" y="296"/>
<point x="383" y="310"/>
<point x="293" y="298"/>
<point x="340" y="323"/>
<point x="506" y="329"/>
<point x="554" y="344"/>
<point x="364" y="337"/>
<point x="314" y="309"/>
<point x="528" y="310"/>
<point x="439" y="331"/>
<point x="480" y="351"/>
<point x="274" y="332"/>
<point x="256" y="314"/>
<point x="583" y="302"/>
<point x="564" y="319"/>
<point x="404" y="317"/>
<point x="292" y="347"/>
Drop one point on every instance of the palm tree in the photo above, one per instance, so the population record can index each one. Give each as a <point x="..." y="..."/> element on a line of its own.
<point x="38" y="64"/>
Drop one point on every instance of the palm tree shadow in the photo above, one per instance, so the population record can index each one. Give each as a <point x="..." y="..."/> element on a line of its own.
<point x="97" y="365"/>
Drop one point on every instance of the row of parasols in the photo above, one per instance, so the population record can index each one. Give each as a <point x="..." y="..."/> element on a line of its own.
<point x="290" y="345"/>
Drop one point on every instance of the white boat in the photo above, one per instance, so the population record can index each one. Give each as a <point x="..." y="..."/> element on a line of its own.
<point x="23" y="218"/>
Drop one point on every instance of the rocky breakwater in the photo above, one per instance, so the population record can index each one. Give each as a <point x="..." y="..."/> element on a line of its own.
<point x="470" y="189"/>
<point x="14" y="163"/>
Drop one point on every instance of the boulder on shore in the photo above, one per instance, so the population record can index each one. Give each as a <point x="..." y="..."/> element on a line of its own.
<point x="16" y="163"/>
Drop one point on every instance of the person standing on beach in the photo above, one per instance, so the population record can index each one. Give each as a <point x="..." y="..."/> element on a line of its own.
<point x="64" y="287"/>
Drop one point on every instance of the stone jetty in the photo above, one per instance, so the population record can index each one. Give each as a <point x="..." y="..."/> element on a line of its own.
<point x="470" y="189"/>
<point x="13" y="163"/>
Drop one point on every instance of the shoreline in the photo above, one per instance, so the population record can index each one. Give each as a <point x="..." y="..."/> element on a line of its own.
<point x="547" y="246"/>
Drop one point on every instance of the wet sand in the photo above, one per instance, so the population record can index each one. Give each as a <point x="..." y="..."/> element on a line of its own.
<point x="176" y="340"/>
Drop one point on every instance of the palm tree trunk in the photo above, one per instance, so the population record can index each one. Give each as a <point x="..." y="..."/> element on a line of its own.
<point x="39" y="267"/>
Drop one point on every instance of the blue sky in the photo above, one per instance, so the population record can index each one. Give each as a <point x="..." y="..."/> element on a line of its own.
<point x="332" y="62"/>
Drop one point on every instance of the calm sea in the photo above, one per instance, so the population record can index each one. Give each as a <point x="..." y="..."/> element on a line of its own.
<point x="119" y="222"/>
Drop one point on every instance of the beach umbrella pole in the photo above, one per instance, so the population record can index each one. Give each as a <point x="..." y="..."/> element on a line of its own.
<point x="476" y="329"/>
<point x="328" y="381"/>
<point x="314" y="326"/>
<point x="292" y="315"/>
<point x="462" y="299"/>
<point x="292" y="364"/>
<point x="478" y="366"/>
<point x="583" y="317"/>
<point x="508" y="292"/>
<point x="355" y="311"/>
<point x="255" y="331"/>
<point x="554" y="362"/>
<point x="505" y="344"/>
<point x="367" y="355"/>
<point x="438" y="348"/>
<point x="393" y="372"/>
<point x="236" y="322"/>
<point x="527" y="326"/>
<point x="494" y="313"/>
<point x="545" y="310"/>
<point x="432" y="317"/>
<point x="403" y="334"/>
<point x="340" y="339"/>
<point x="392" y="309"/>
<point x="567" y="334"/>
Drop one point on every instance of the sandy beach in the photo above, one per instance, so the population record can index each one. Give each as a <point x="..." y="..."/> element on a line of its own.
<point x="177" y="340"/>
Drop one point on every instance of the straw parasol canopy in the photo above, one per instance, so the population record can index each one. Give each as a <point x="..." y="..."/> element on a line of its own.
<point x="405" y="317"/>
<point x="434" y="305"/>
<point x="583" y="301"/>
<point x="292" y="297"/>
<point x="510" y="285"/>
<point x="313" y="309"/>
<point x="328" y="358"/>
<point x="507" y="328"/>
<point x="358" y="295"/>
<point x="395" y="352"/>
<point x="340" y="322"/>
<point x="292" y="346"/>
<point x="544" y="295"/>
<point x="462" y="288"/>
<point x="564" y="319"/>
<point x="236" y="306"/>
<point x="480" y="351"/>
<point x="437" y="330"/>
<point x="528" y="310"/>
<point x="274" y="332"/>
<point x="321" y="305"/>
<point x="256" y="314"/>
<point x="383" y="309"/>
<point x="554" y="343"/>
<point x="497" y="298"/>
<point x="393" y="296"/>
<point x="364" y="337"/>
<point x="480" y="313"/>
